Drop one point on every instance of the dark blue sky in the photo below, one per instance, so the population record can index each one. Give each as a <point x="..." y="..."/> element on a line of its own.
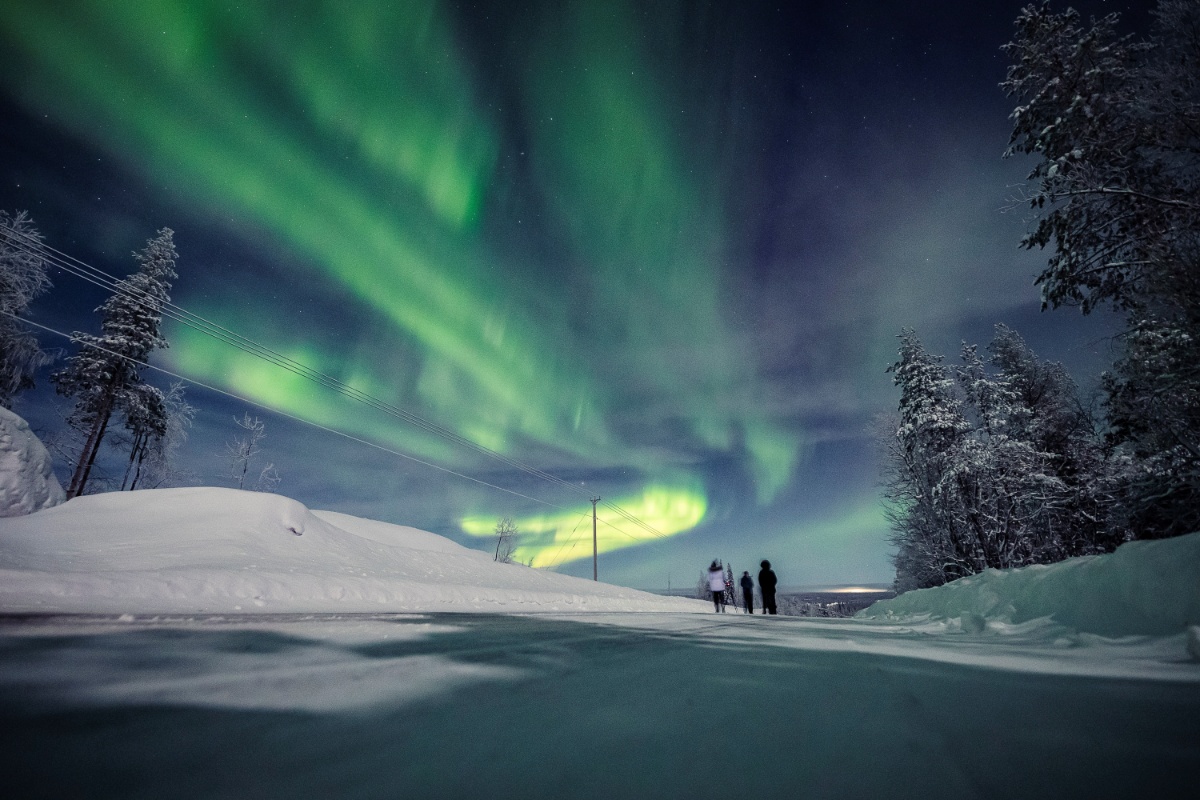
<point x="658" y="250"/>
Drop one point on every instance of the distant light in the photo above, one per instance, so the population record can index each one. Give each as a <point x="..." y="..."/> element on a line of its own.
<point x="856" y="590"/>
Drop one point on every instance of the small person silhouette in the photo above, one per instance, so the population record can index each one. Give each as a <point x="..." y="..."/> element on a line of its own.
<point x="748" y="592"/>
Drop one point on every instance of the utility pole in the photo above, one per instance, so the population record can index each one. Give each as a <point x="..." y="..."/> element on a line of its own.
<point x="594" y="573"/>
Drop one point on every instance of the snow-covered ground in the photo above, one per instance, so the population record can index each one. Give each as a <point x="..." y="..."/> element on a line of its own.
<point x="213" y="643"/>
<point x="211" y="550"/>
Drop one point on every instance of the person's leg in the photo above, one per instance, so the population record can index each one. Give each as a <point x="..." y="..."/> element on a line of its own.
<point x="716" y="601"/>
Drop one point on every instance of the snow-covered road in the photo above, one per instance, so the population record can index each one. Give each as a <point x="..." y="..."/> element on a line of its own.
<point x="595" y="705"/>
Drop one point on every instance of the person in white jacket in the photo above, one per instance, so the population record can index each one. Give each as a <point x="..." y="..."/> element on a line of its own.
<point x="716" y="584"/>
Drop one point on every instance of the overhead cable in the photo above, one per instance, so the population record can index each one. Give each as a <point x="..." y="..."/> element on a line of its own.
<point x="98" y="277"/>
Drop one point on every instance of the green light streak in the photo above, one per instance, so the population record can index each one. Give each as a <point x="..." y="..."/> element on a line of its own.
<point x="438" y="290"/>
<point x="275" y="387"/>
<point x="353" y="141"/>
<point x="546" y="540"/>
<point x="614" y="150"/>
<point x="774" y="455"/>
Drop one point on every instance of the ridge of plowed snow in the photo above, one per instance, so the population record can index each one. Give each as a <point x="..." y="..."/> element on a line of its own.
<point x="1145" y="588"/>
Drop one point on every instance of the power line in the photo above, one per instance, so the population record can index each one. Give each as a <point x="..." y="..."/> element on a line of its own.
<point x="319" y="426"/>
<point x="282" y="413"/>
<point x="554" y="560"/>
<point x="98" y="277"/>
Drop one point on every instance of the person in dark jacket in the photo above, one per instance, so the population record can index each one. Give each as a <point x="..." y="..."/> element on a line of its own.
<point x="766" y="583"/>
<point x="748" y="592"/>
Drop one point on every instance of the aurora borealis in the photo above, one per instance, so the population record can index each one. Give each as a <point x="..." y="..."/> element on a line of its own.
<point x="658" y="250"/>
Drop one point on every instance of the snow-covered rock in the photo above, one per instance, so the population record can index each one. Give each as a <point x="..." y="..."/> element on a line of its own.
<point x="27" y="482"/>
<point x="1143" y="588"/>
<point x="217" y="550"/>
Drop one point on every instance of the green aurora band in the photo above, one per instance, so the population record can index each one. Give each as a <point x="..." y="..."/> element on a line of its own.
<point x="358" y="140"/>
<point x="548" y="540"/>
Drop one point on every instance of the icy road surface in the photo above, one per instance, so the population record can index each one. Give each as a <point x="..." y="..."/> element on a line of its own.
<point x="596" y="706"/>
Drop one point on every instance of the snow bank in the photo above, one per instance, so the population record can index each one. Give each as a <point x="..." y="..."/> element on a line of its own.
<point x="27" y="483"/>
<point x="1144" y="588"/>
<point x="210" y="550"/>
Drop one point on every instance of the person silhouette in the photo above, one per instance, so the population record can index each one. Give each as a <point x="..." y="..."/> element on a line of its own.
<point x="748" y="592"/>
<point x="716" y="585"/>
<point x="766" y="583"/>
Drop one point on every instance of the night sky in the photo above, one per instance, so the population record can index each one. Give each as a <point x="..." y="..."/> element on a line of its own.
<point x="658" y="250"/>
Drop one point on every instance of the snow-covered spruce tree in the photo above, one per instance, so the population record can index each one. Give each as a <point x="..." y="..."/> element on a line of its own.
<point x="146" y="422"/>
<point x="104" y="376"/>
<point x="1003" y="470"/>
<point x="1115" y="124"/>
<point x="1045" y="413"/>
<point x="930" y="549"/>
<point x="1153" y="404"/>
<point x="156" y="439"/>
<point x="731" y="589"/>
<point x="1037" y="480"/>
<point x="22" y="279"/>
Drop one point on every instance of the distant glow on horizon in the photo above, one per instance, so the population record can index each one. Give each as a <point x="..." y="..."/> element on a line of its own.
<point x="551" y="540"/>
<point x="855" y="590"/>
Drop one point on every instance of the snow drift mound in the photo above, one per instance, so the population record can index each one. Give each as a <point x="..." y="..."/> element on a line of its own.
<point x="1143" y="588"/>
<point x="27" y="483"/>
<point x="209" y="550"/>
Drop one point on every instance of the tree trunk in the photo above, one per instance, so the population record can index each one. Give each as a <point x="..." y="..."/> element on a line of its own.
<point x="137" y="474"/>
<point x="92" y="446"/>
<point x="141" y="457"/>
<point x="87" y="468"/>
<point x="138" y="439"/>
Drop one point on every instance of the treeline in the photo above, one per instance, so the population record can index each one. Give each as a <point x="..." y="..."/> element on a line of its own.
<point x="996" y="463"/>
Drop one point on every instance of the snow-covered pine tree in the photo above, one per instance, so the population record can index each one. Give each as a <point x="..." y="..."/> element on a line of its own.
<point x="104" y="376"/>
<point x="1115" y="125"/>
<point x="22" y="279"/>
<point x="1005" y="470"/>
<point x="931" y="428"/>
<point x="1153" y="405"/>
<point x="1006" y="487"/>
<point x="146" y="421"/>
<point x="156" y="465"/>
<point x="1045" y="413"/>
<point x="730" y="589"/>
